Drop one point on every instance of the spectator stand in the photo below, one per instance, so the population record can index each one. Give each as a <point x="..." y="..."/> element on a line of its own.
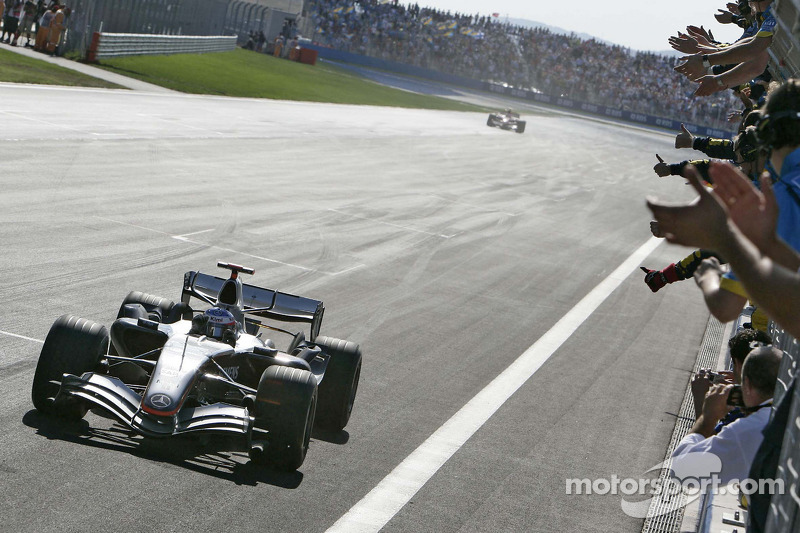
<point x="518" y="58"/>
<point x="537" y="97"/>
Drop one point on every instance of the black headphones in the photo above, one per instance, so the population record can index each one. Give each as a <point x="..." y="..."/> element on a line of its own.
<point x="747" y="145"/>
<point x="744" y="8"/>
<point x="765" y="129"/>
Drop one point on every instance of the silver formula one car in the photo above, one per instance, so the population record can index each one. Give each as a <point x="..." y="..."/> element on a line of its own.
<point x="165" y="368"/>
<point x="506" y="120"/>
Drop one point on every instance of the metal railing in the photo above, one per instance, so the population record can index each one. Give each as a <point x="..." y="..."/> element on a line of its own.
<point x="785" y="48"/>
<point x="131" y="44"/>
<point x="784" y="512"/>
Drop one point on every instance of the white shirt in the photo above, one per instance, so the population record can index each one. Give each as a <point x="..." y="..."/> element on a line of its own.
<point x="733" y="449"/>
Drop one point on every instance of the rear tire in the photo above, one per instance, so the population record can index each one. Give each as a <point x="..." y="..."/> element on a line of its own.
<point x="285" y="406"/>
<point x="521" y="126"/>
<point x="156" y="307"/>
<point x="337" y="391"/>
<point x="73" y="346"/>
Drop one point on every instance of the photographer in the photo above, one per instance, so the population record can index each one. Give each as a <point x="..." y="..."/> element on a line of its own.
<point x="736" y="444"/>
<point x="739" y="347"/>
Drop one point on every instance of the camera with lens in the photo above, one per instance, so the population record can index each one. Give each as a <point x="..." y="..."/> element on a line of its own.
<point x="735" y="397"/>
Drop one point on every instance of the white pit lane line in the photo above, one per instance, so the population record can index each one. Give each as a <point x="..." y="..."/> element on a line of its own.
<point x="395" y="490"/>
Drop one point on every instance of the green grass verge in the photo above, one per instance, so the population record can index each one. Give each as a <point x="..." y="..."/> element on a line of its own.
<point x="248" y="74"/>
<point x="17" y="68"/>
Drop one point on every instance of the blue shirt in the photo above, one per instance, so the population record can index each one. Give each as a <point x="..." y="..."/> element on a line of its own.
<point x="750" y="31"/>
<point x="786" y="187"/>
<point x="767" y="28"/>
<point x="787" y="194"/>
<point x="732" y="415"/>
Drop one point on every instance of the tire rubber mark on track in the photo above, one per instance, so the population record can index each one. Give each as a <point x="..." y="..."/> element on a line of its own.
<point x="396" y="489"/>
<point x="394" y="225"/>
<point x="14" y="369"/>
<point x="473" y="206"/>
<point x="183" y="238"/>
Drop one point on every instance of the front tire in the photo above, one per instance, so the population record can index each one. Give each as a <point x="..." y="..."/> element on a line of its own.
<point x="285" y="406"/>
<point x="73" y="346"/>
<point x="337" y="391"/>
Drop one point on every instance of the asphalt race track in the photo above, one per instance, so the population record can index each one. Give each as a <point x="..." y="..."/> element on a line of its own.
<point x="445" y="248"/>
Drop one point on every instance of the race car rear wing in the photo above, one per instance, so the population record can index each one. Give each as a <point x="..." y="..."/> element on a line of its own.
<point x="257" y="301"/>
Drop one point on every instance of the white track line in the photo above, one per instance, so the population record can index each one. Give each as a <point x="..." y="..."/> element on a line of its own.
<point x="183" y="238"/>
<point x="21" y="337"/>
<point x="395" y="490"/>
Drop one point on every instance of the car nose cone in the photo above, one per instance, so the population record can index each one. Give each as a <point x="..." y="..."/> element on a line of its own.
<point x="160" y="401"/>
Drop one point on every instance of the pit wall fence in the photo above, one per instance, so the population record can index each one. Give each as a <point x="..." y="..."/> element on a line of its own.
<point x="784" y="512"/>
<point x="785" y="49"/>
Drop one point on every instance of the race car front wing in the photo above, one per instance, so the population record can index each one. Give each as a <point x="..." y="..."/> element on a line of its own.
<point x="114" y="396"/>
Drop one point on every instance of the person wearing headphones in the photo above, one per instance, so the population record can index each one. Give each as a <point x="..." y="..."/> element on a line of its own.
<point x="755" y="231"/>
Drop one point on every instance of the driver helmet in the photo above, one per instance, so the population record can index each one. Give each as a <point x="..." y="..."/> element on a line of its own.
<point x="219" y="321"/>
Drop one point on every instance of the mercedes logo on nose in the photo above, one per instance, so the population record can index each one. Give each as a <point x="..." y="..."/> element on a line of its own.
<point x="160" y="400"/>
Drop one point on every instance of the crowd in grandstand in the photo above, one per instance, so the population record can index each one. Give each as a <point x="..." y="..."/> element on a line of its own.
<point x="484" y="48"/>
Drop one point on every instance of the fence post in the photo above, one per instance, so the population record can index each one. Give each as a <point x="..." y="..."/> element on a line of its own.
<point x="91" y="54"/>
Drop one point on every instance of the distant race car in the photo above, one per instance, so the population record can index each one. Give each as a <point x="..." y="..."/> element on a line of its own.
<point x="165" y="369"/>
<point x="506" y="120"/>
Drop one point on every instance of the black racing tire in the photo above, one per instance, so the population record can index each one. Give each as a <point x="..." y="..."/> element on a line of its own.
<point x="285" y="406"/>
<point x="73" y="346"/>
<point x="490" y="121"/>
<point x="155" y="306"/>
<point x="339" y="385"/>
<point x="521" y="126"/>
